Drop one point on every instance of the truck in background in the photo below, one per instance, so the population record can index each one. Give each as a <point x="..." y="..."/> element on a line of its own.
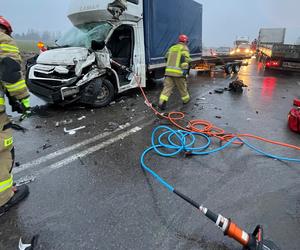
<point x="274" y="54"/>
<point x="241" y="40"/>
<point x="242" y="46"/>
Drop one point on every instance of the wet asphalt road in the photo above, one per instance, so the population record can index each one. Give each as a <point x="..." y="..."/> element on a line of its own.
<point x="89" y="191"/>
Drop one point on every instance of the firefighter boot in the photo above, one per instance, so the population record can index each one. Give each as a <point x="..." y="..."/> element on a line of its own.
<point x="162" y="105"/>
<point x="20" y="193"/>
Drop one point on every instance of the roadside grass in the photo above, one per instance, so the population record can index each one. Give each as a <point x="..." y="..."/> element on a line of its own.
<point x="27" y="46"/>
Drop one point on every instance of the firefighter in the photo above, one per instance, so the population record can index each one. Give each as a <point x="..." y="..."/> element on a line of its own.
<point x="18" y="95"/>
<point x="178" y="59"/>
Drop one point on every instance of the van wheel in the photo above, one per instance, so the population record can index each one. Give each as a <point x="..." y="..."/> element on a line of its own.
<point x="236" y="68"/>
<point x="105" y="95"/>
<point x="228" y="69"/>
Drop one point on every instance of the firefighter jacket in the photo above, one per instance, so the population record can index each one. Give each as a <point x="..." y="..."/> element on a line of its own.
<point x="178" y="59"/>
<point x="17" y="90"/>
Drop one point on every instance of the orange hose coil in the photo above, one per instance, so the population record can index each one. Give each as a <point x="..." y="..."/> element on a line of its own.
<point x="206" y="127"/>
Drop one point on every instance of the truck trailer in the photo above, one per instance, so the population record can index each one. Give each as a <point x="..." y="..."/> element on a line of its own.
<point x="276" y="55"/>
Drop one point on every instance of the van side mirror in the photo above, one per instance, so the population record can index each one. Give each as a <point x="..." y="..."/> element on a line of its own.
<point x="10" y="70"/>
<point x="95" y="45"/>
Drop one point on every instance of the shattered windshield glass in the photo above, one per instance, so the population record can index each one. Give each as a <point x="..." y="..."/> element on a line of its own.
<point x="83" y="35"/>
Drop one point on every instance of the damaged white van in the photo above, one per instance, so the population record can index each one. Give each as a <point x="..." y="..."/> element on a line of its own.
<point x="111" y="46"/>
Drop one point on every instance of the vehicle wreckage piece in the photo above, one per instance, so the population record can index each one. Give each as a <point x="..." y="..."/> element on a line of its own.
<point x="73" y="131"/>
<point x="23" y="246"/>
<point x="30" y="246"/>
<point x="237" y="85"/>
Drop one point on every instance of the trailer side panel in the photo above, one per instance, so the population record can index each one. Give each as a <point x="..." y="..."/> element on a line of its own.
<point x="163" y="25"/>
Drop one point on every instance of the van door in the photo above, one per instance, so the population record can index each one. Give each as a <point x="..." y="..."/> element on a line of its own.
<point x="126" y="48"/>
<point x="139" y="66"/>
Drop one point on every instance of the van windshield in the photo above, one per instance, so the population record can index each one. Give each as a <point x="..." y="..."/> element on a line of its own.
<point x="82" y="35"/>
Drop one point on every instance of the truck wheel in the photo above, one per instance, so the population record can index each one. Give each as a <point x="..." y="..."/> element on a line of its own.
<point x="236" y="68"/>
<point x="228" y="69"/>
<point x="105" y="95"/>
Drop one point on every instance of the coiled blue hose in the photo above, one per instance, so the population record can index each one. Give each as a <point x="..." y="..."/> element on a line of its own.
<point x="168" y="142"/>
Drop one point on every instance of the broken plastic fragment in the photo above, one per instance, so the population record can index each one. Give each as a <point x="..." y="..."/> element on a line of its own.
<point x="23" y="246"/>
<point x="25" y="180"/>
<point x="73" y="131"/>
<point x="81" y="118"/>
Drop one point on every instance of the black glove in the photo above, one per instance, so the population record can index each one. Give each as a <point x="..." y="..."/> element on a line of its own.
<point x="16" y="106"/>
<point x="22" y="106"/>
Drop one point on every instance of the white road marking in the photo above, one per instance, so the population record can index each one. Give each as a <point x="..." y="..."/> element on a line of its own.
<point x="53" y="155"/>
<point x="86" y="152"/>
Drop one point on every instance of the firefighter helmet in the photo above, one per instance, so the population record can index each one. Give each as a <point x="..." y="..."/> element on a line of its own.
<point x="183" y="38"/>
<point x="6" y="25"/>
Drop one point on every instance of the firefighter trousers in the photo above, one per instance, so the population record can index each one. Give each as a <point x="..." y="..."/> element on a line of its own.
<point x="169" y="84"/>
<point x="6" y="160"/>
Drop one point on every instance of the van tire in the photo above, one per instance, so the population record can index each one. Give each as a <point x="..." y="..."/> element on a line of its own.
<point x="106" y="94"/>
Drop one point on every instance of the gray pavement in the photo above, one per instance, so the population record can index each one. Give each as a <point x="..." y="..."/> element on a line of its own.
<point x="89" y="192"/>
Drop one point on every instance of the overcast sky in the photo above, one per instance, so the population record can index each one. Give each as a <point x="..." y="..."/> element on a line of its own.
<point x="223" y="20"/>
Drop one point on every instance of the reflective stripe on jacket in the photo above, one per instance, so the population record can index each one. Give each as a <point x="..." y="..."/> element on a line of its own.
<point x="8" y="48"/>
<point x="18" y="90"/>
<point x="2" y="101"/>
<point x="4" y="185"/>
<point x="178" y="59"/>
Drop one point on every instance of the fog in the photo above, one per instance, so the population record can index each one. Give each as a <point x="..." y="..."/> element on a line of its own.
<point x="223" y="20"/>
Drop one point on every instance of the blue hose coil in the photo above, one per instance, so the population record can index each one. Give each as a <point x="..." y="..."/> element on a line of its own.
<point x="185" y="142"/>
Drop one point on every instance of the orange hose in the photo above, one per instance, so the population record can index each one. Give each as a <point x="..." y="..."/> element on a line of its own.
<point x="206" y="127"/>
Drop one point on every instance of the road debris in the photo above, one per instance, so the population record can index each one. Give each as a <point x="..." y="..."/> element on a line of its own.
<point x="25" y="180"/>
<point x="30" y="246"/>
<point x="41" y="111"/>
<point x="237" y="86"/>
<point x="219" y="90"/>
<point x="45" y="146"/>
<point x="73" y="131"/>
<point x="18" y="127"/>
<point x="113" y="125"/>
<point x="124" y="126"/>
<point x="81" y="118"/>
<point x="81" y="161"/>
<point x="23" y="246"/>
<point x="64" y="122"/>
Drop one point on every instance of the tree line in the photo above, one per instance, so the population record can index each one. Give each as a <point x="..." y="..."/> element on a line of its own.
<point x="35" y="35"/>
